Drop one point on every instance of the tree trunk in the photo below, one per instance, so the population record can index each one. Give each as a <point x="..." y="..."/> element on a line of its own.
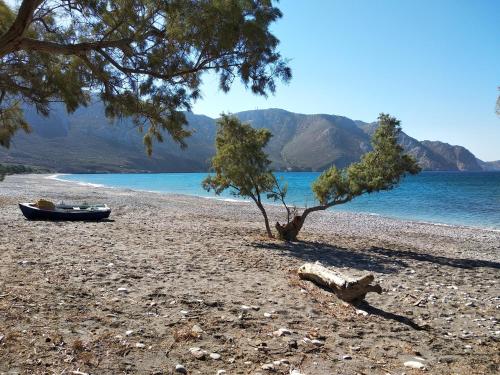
<point x="266" y="220"/>
<point x="290" y="231"/>
<point x="346" y="287"/>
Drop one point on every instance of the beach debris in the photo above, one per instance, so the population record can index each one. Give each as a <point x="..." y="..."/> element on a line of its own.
<point x="215" y="356"/>
<point x="198" y="353"/>
<point x="282" y="332"/>
<point x="180" y="369"/>
<point x="346" y="287"/>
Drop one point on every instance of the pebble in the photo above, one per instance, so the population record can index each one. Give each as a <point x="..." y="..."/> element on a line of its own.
<point x="122" y="290"/>
<point x="361" y="312"/>
<point x="197" y="330"/>
<point x="268" y="315"/>
<point x="140" y="345"/>
<point x="215" y="356"/>
<point x="198" y="353"/>
<point x="221" y="372"/>
<point x="414" y="364"/>
<point x="110" y="265"/>
<point x="180" y="369"/>
<point x="268" y="367"/>
<point x="282" y="332"/>
<point x="345" y="357"/>
<point x="129" y="333"/>
<point x="317" y="342"/>
<point x="1" y="338"/>
<point x="296" y="372"/>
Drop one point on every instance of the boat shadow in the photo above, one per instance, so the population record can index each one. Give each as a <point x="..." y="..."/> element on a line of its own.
<point x="373" y="259"/>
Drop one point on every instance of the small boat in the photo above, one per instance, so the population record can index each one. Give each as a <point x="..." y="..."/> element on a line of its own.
<point x="32" y="211"/>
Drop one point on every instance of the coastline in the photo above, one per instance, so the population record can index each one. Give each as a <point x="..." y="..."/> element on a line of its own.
<point x="178" y="256"/>
<point x="267" y="204"/>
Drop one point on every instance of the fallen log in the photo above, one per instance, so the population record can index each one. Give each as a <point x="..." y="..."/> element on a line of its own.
<point x="347" y="288"/>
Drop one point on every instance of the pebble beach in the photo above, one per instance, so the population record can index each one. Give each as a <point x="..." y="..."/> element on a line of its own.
<point x="179" y="284"/>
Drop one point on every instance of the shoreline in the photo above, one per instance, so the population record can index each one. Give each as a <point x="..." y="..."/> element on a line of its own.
<point x="168" y="273"/>
<point x="236" y="200"/>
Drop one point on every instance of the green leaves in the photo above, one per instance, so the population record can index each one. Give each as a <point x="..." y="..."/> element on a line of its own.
<point x="380" y="169"/>
<point x="144" y="59"/>
<point x="240" y="162"/>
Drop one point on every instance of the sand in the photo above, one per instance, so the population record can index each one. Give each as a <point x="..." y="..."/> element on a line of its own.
<point x="168" y="273"/>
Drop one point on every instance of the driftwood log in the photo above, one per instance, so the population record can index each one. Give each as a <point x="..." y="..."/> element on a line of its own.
<point x="347" y="288"/>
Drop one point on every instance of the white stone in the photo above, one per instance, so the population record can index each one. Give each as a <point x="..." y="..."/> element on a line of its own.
<point x="215" y="356"/>
<point x="282" y="332"/>
<point x="140" y="345"/>
<point x="129" y="332"/>
<point x="180" y="369"/>
<point x="414" y="364"/>
<point x="122" y="290"/>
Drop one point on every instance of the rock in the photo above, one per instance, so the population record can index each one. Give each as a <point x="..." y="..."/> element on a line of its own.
<point x="268" y="315"/>
<point x="245" y="308"/>
<point x="215" y="356"/>
<point x="414" y="364"/>
<point x="198" y="353"/>
<point x="256" y="308"/>
<point x="1" y="338"/>
<point x="140" y="345"/>
<point x="180" y="369"/>
<point x="123" y="290"/>
<point x="346" y="357"/>
<point x="197" y="330"/>
<point x="361" y="312"/>
<point x="292" y="344"/>
<point x="317" y="342"/>
<point x="221" y="372"/>
<point x="355" y="348"/>
<point x="268" y="367"/>
<point x="296" y="372"/>
<point x="282" y="332"/>
<point x="110" y="265"/>
<point x="129" y="333"/>
<point x="184" y="312"/>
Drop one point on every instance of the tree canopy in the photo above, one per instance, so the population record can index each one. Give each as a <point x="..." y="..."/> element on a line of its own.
<point x="240" y="163"/>
<point x="143" y="59"/>
<point x="379" y="169"/>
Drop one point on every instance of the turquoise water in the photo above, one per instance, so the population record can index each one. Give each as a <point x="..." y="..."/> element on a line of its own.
<point x="463" y="198"/>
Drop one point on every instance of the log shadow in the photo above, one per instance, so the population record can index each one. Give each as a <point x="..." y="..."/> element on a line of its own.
<point x="363" y="305"/>
<point x="374" y="259"/>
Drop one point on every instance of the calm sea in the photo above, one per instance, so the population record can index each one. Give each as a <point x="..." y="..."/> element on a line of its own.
<point x="461" y="198"/>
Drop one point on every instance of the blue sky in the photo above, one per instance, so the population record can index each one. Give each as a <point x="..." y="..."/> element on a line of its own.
<point x="433" y="64"/>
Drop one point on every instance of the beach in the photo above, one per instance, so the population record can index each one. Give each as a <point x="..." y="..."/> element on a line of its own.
<point x="168" y="273"/>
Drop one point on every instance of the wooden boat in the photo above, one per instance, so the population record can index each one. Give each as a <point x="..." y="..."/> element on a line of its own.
<point x="65" y="212"/>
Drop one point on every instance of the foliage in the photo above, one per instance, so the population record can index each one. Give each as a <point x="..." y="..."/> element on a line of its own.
<point x="380" y="169"/>
<point x="144" y="59"/>
<point x="240" y="163"/>
<point x="6" y="169"/>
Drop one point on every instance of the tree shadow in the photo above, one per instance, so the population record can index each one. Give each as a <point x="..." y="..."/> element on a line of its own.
<point x="374" y="259"/>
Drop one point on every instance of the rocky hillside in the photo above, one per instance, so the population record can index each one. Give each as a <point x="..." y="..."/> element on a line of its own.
<point x="86" y="141"/>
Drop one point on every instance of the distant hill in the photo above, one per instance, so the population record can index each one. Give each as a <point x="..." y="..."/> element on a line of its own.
<point x="86" y="141"/>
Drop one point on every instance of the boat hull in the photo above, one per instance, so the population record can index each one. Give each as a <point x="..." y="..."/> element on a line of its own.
<point x="34" y="213"/>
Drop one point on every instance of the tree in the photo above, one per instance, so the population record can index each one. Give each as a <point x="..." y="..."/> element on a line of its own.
<point x="240" y="163"/>
<point x="143" y="59"/>
<point x="380" y="169"/>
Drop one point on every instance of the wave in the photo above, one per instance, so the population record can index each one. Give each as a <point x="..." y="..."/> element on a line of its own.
<point x="81" y="183"/>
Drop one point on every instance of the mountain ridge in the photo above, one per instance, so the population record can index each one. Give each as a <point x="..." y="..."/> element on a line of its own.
<point x="86" y="141"/>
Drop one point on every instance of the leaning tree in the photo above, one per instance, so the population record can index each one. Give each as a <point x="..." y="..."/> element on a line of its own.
<point x="144" y="59"/>
<point x="241" y="165"/>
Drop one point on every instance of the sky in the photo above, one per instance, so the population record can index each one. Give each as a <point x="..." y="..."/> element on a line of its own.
<point x="434" y="64"/>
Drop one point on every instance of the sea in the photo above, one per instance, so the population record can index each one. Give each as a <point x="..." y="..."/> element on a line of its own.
<point x="449" y="198"/>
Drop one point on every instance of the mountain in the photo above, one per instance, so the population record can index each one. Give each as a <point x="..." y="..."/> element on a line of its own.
<point x="86" y="141"/>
